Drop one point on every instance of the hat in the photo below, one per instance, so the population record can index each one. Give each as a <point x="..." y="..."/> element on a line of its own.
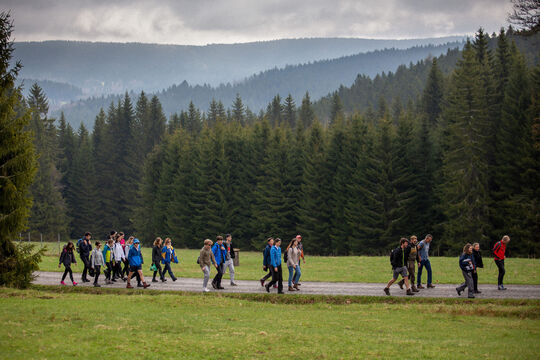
<point x="136" y="241"/>
<point x="298" y="236"/>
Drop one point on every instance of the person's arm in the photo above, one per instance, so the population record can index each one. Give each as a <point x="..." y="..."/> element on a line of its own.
<point x="213" y="259"/>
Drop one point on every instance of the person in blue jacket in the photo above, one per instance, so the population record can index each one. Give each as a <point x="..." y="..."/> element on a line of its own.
<point x="275" y="263"/>
<point x="220" y="253"/>
<point x="168" y="255"/>
<point x="135" y="263"/>
<point x="266" y="260"/>
<point x="467" y="265"/>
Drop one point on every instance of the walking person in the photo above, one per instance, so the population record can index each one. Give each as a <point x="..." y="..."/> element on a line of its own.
<point x="398" y="260"/>
<point x="135" y="264"/>
<point x="477" y="256"/>
<point x="229" y="258"/>
<point x="127" y="246"/>
<point x="108" y="257"/>
<point x="411" y="258"/>
<point x="423" y="254"/>
<point x="301" y="249"/>
<point x="499" y="251"/>
<point x="96" y="262"/>
<point x="266" y="260"/>
<point x="466" y="263"/>
<point x="67" y="257"/>
<point x="168" y="255"/>
<point x="206" y="259"/>
<point x="156" y="260"/>
<point x="275" y="262"/>
<point x="119" y="256"/>
<point x="84" y="252"/>
<point x="293" y="259"/>
<point x="219" y="254"/>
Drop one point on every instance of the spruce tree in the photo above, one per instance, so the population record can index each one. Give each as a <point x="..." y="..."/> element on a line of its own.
<point x="289" y="112"/>
<point x="433" y="94"/>
<point x="238" y="110"/>
<point x="306" y="115"/>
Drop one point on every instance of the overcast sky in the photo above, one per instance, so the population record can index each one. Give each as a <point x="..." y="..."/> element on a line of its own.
<point x="200" y="22"/>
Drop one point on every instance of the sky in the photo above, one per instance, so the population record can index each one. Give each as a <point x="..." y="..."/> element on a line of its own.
<point x="200" y="22"/>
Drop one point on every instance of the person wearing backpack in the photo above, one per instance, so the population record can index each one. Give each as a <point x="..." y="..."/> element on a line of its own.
<point x="292" y="259"/>
<point x="499" y="252"/>
<point x="477" y="256"/>
<point x="96" y="262"/>
<point x="300" y="247"/>
<point x="168" y="255"/>
<point x="229" y="261"/>
<point x="277" y="275"/>
<point x="108" y="257"/>
<point x="220" y="255"/>
<point x="135" y="264"/>
<point x="84" y="247"/>
<point x="206" y="259"/>
<point x="118" y="254"/>
<point x="67" y="257"/>
<point x="266" y="260"/>
<point x="411" y="259"/>
<point x="156" y="260"/>
<point x="398" y="260"/>
<point x="467" y="265"/>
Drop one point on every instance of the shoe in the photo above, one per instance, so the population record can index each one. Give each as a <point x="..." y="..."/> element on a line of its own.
<point x="267" y="288"/>
<point x="145" y="285"/>
<point x="409" y="292"/>
<point x="205" y="290"/>
<point x="458" y="291"/>
<point x="400" y="285"/>
<point x="214" y="285"/>
<point x="174" y="279"/>
<point x="430" y="286"/>
<point x="140" y="285"/>
<point x="420" y="286"/>
<point x="128" y="286"/>
<point x="291" y="288"/>
<point x="154" y="280"/>
<point x="62" y="282"/>
<point x="387" y="291"/>
<point x="296" y="287"/>
<point x="477" y="292"/>
<point x="414" y="289"/>
<point x="234" y="284"/>
<point x="113" y="280"/>
<point x="275" y="286"/>
<point x="163" y="280"/>
<point x="97" y="285"/>
<point x="221" y="288"/>
<point x="262" y="283"/>
<point x="281" y="292"/>
<point x="471" y="297"/>
<point x="74" y="283"/>
<point x="298" y="284"/>
<point x="501" y="287"/>
<point x="124" y="279"/>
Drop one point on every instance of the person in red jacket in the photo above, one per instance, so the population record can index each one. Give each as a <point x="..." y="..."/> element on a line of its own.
<point x="498" y="254"/>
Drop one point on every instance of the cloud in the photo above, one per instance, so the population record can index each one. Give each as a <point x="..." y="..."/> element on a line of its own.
<point x="220" y="21"/>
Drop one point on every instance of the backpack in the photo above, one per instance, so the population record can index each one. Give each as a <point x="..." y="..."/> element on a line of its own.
<point x="392" y="257"/>
<point x="79" y="244"/>
<point x="285" y="256"/>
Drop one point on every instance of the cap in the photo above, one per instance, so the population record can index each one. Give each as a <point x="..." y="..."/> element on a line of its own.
<point x="136" y="241"/>
<point x="298" y="236"/>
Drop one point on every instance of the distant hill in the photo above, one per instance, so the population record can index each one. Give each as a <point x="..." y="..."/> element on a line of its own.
<point x="58" y="93"/>
<point x="319" y="78"/>
<point x="110" y="68"/>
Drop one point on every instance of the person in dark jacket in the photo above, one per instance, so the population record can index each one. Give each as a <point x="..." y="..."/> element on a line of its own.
<point x="466" y="263"/>
<point x="266" y="260"/>
<point x="156" y="259"/>
<point x="220" y="255"/>
<point x="168" y="255"/>
<point x="67" y="257"/>
<point x="84" y="252"/>
<point x="399" y="266"/>
<point x="411" y="258"/>
<point x="135" y="264"/>
<point x="275" y="263"/>
<point x="479" y="264"/>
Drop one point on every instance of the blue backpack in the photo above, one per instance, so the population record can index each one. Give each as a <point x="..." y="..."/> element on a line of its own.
<point x="79" y="244"/>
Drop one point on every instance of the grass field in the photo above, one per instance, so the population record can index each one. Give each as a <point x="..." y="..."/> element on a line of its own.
<point x="375" y="269"/>
<point x="56" y="323"/>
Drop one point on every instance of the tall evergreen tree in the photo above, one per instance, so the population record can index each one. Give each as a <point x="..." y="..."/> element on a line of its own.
<point x="306" y="115"/>
<point x="289" y="112"/>
<point x="238" y="111"/>
<point x="433" y="94"/>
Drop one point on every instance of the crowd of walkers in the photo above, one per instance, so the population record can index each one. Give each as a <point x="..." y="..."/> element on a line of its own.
<point x="404" y="260"/>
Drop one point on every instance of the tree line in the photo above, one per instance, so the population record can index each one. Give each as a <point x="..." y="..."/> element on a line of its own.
<point x="460" y="162"/>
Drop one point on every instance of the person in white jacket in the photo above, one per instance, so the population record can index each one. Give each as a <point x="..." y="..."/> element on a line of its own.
<point x="119" y="257"/>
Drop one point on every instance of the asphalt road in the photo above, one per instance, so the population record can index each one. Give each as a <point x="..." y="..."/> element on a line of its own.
<point x="312" y="288"/>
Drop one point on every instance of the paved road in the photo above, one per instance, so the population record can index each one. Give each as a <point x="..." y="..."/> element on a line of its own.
<point x="313" y="288"/>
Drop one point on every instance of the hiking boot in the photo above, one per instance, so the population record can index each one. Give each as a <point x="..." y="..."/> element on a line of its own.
<point x="430" y="286"/>
<point x="458" y="291"/>
<point x="296" y="287"/>
<point x="414" y="289"/>
<point x="401" y="284"/>
<point x="420" y="287"/>
<point x="409" y="292"/>
<point x="387" y="291"/>
<point x="291" y="288"/>
<point x="267" y="288"/>
<point x="145" y="285"/>
<point x="97" y="285"/>
<point x="128" y="286"/>
<point x="214" y="285"/>
<point x="262" y="282"/>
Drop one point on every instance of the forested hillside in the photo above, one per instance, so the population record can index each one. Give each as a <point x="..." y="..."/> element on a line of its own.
<point x="318" y="78"/>
<point x="461" y="161"/>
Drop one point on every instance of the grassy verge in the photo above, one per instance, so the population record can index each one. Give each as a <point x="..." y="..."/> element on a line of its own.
<point x="95" y="323"/>
<point x="375" y="269"/>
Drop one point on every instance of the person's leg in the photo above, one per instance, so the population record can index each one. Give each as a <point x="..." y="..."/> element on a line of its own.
<point x="411" y="270"/>
<point x="475" y="281"/>
<point x="231" y="271"/>
<point x="97" y="271"/>
<point x="171" y="274"/>
<point x="71" y="274"/>
<point x="470" y="284"/>
<point x="206" y="270"/>
<point x="502" y="271"/>
<point x="155" y="273"/>
<point x="160" y="272"/>
<point x="85" y="269"/>
<point x="428" y="268"/>
<point x="291" y="273"/>
<point x="419" y="276"/>
<point x="280" y="280"/>
<point x="274" y="279"/>
<point x="65" y="273"/>
<point x="220" y="275"/>
<point x="267" y="276"/>
<point x="138" y="279"/>
<point x="297" y="273"/>
<point x="406" y="280"/>
<point x="462" y="287"/>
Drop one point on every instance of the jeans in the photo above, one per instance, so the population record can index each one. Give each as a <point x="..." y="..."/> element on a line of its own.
<point x="467" y="275"/>
<point x="229" y="265"/>
<point x="68" y="271"/>
<point x="427" y="264"/>
<point x="294" y="274"/>
<point x="167" y="268"/>
<point x="206" y="270"/>
<point x="502" y="271"/>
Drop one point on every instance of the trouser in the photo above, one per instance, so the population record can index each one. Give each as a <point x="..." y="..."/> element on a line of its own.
<point x="108" y="272"/>
<point x="206" y="270"/>
<point x="267" y="276"/>
<point x="97" y="271"/>
<point x="427" y="265"/>
<point x="410" y="270"/>
<point x="125" y="270"/>
<point x="229" y="265"/>
<point x="158" y="267"/>
<point x="475" y="280"/>
<point x="502" y="271"/>
<point x="217" y="279"/>
<point x="467" y="275"/>
<point x="118" y="269"/>
<point x="167" y="268"/>
<point x="277" y="277"/>
<point x="86" y="263"/>
<point x="294" y="273"/>
<point x="68" y="271"/>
